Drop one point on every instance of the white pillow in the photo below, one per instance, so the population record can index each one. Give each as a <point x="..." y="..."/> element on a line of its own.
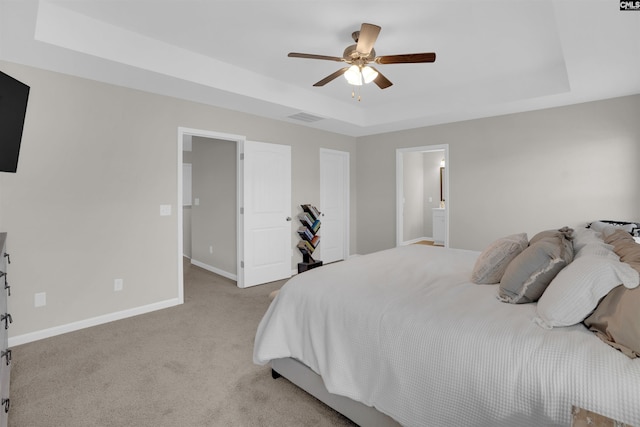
<point x="575" y="292"/>
<point x="607" y="228"/>
<point x="598" y="249"/>
<point x="583" y="236"/>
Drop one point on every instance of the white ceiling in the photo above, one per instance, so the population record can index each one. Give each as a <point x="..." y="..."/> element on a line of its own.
<point x="493" y="57"/>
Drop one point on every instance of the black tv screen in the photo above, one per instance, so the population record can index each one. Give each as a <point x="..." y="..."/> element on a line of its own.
<point x="13" y="108"/>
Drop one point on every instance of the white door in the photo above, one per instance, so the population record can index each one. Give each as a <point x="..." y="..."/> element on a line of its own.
<point x="334" y="205"/>
<point x="267" y="213"/>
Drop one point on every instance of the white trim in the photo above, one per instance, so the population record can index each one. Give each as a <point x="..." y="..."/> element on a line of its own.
<point x="93" y="321"/>
<point x="346" y="157"/>
<point x="400" y="187"/>
<point x="181" y="136"/>
<point x="239" y="216"/>
<point x="214" y="270"/>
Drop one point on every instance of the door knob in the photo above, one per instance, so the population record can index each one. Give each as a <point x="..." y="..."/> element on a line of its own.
<point x="288" y="218"/>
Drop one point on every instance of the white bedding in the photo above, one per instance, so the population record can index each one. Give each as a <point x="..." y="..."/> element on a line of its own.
<point x="404" y="331"/>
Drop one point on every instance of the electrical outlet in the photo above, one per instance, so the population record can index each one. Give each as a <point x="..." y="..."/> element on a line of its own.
<point x="117" y="285"/>
<point x="210" y="249"/>
<point x="40" y="299"/>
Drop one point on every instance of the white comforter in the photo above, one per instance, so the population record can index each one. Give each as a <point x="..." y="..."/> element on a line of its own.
<point x="405" y="331"/>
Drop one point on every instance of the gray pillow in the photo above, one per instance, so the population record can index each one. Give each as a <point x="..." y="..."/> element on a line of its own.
<point x="529" y="274"/>
<point x="494" y="259"/>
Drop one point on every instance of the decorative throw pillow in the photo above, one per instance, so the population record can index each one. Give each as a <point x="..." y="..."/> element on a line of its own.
<point x="617" y="235"/>
<point x="564" y="233"/>
<point x="583" y="236"/>
<point x="598" y="249"/>
<point x="529" y="274"/>
<point x="625" y="246"/>
<point x="574" y="293"/>
<point x="616" y="320"/>
<point x="494" y="259"/>
<point x="607" y="227"/>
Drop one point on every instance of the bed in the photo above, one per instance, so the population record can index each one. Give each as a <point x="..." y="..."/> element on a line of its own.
<point x="403" y="337"/>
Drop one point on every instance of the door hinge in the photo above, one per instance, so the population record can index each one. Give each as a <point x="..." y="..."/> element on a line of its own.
<point x="241" y="156"/>
<point x="241" y="211"/>
<point x="241" y="264"/>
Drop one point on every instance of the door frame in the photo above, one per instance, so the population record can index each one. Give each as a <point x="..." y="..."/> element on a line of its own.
<point x="184" y="132"/>
<point x="400" y="187"/>
<point x="346" y="157"/>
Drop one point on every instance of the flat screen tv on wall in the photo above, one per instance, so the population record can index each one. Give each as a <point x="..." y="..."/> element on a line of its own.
<point x="13" y="108"/>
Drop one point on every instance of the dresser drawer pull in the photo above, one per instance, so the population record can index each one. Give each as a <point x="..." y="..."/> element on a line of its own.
<point x="6" y="283"/>
<point x="6" y="403"/>
<point x="6" y="354"/>
<point x="6" y="318"/>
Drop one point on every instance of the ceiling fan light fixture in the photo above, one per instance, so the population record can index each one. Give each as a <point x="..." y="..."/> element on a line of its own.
<point x="369" y="74"/>
<point x="353" y="76"/>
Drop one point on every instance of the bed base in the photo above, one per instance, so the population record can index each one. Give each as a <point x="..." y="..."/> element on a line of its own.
<point x="303" y="377"/>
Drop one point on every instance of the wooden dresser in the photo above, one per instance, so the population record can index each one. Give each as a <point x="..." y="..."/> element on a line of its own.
<point x="5" y="321"/>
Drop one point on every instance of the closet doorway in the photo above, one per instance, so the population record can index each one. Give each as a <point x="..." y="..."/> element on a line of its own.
<point x="422" y="195"/>
<point x="209" y="214"/>
<point x="255" y="248"/>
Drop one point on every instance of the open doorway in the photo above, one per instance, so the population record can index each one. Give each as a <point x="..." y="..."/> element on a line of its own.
<point x="201" y="251"/>
<point x="209" y="213"/>
<point x="422" y="195"/>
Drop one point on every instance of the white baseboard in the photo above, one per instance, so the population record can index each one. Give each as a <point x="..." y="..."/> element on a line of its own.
<point x="94" y="321"/>
<point x="216" y="270"/>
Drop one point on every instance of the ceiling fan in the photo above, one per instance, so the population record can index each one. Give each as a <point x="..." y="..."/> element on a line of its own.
<point x="359" y="55"/>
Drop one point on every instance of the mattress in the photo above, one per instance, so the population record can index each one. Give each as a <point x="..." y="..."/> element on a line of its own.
<point x="406" y="332"/>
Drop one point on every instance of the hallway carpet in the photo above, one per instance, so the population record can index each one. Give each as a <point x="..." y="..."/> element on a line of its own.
<point x="189" y="365"/>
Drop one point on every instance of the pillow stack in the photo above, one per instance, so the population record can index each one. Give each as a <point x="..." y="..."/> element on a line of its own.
<point x="591" y="275"/>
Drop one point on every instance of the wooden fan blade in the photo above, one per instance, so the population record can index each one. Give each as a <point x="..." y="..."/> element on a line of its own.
<point x="409" y="58"/>
<point x="331" y="77"/>
<point x="366" y="39"/>
<point x="311" y="56"/>
<point x="381" y="80"/>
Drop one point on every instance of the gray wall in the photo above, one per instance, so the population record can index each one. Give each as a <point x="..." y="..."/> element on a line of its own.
<point x="97" y="161"/>
<point x="515" y="173"/>
<point x="213" y="223"/>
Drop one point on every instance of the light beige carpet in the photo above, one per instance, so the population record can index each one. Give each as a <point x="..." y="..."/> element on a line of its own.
<point x="189" y="365"/>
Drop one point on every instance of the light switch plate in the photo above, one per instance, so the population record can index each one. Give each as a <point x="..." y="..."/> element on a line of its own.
<point x="40" y="299"/>
<point x="165" y="210"/>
